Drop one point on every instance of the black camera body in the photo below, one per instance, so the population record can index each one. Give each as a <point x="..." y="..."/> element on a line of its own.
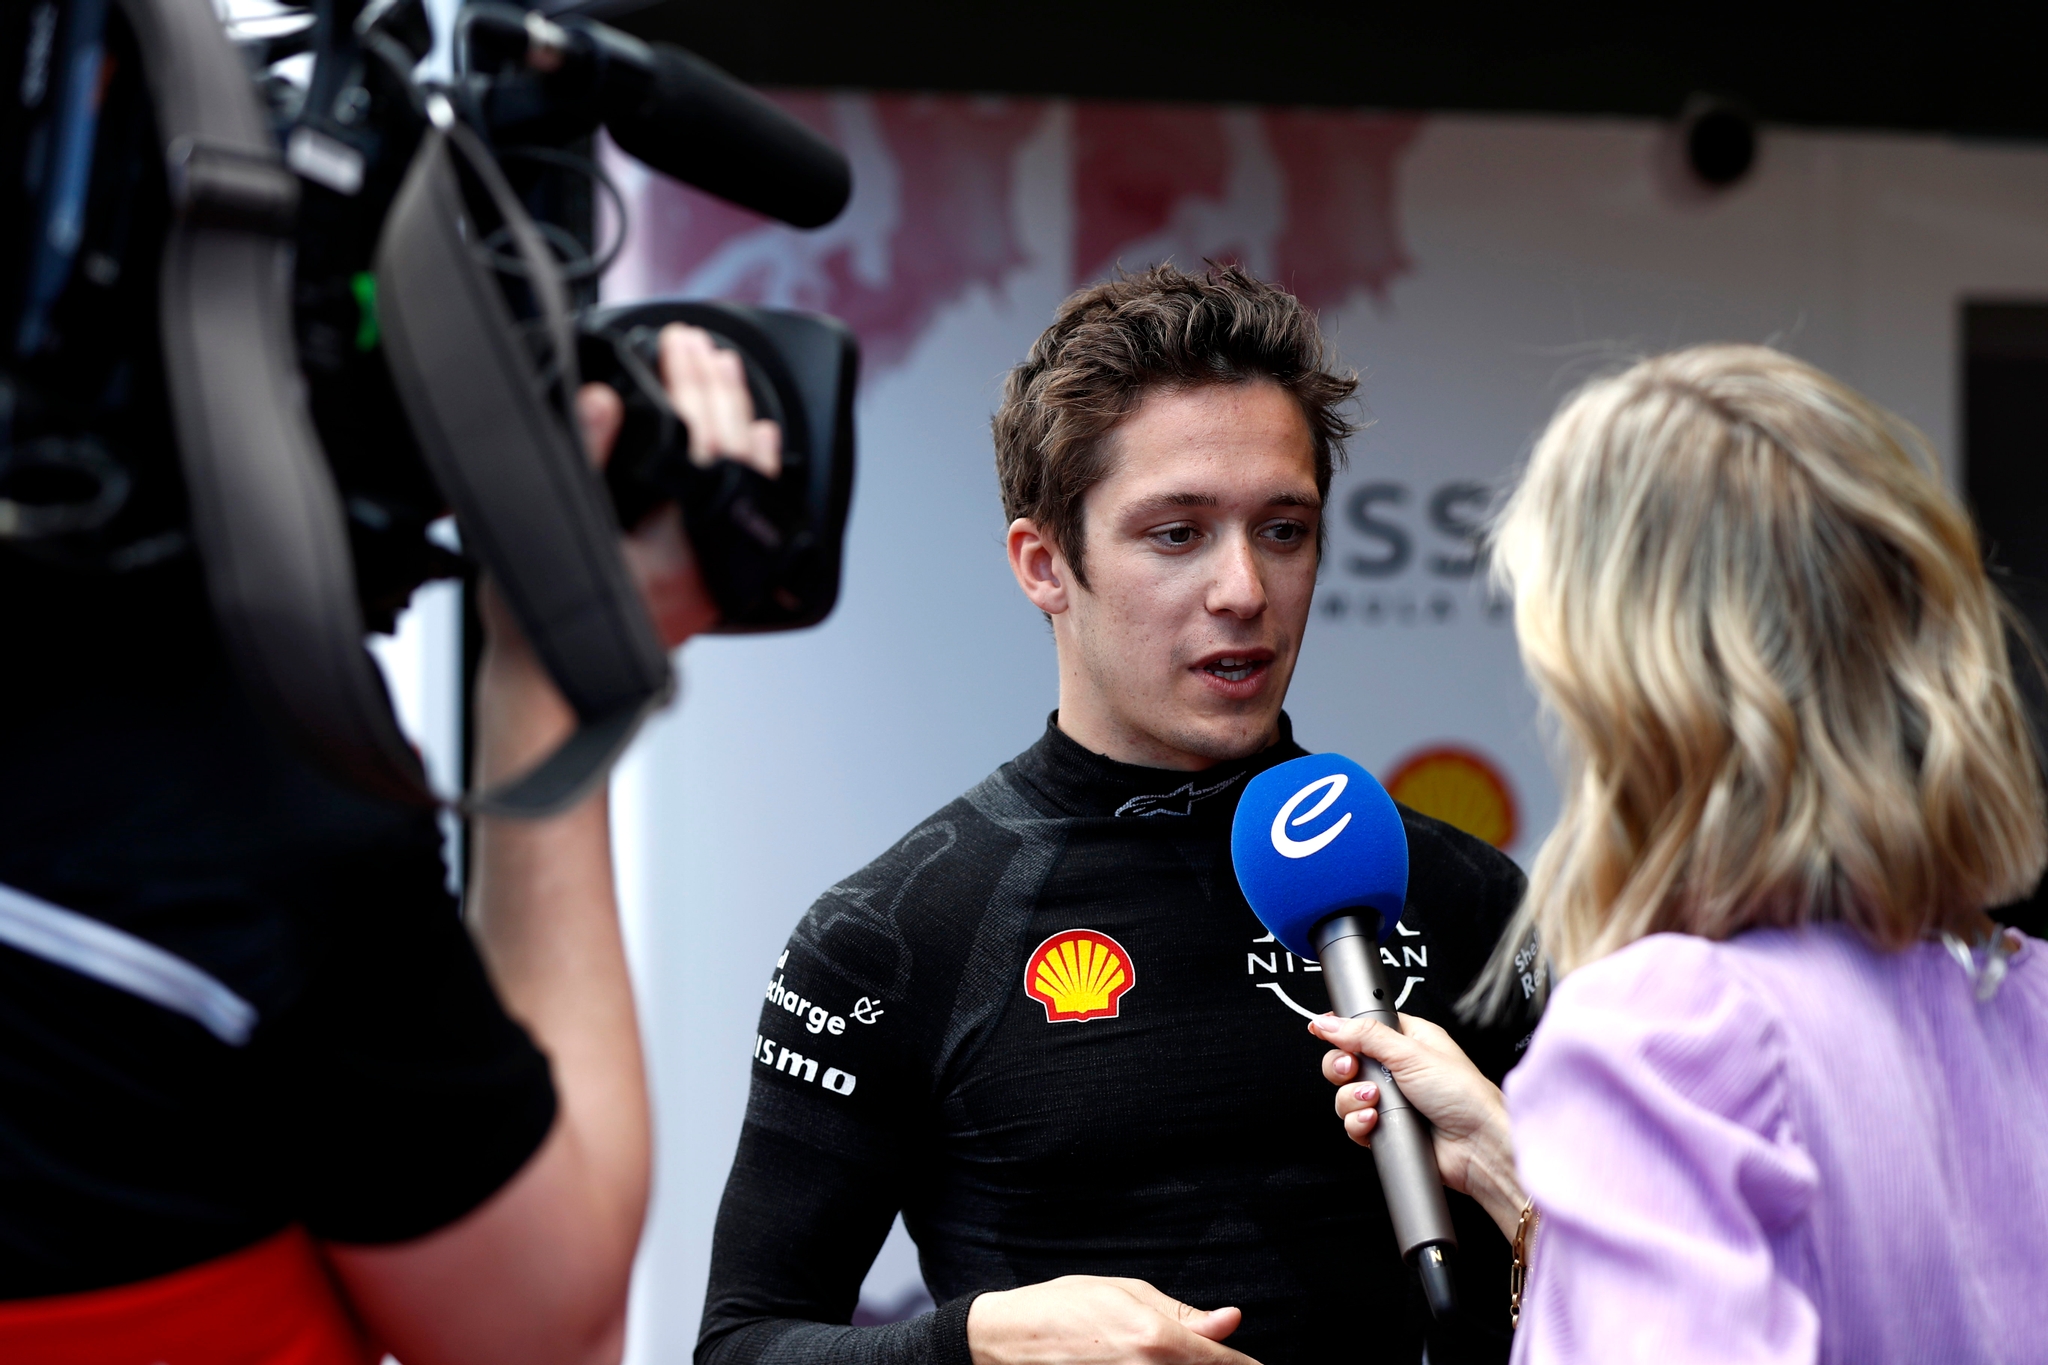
<point x="537" y="89"/>
<point x="770" y="548"/>
<point x="282" y="328"/>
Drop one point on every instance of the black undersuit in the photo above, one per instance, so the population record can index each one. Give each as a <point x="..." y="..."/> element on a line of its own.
<point x="1182" y="1135"/>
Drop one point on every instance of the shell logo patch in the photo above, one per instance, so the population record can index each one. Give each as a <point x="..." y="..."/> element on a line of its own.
<point x="1460" y="788"/>
<point x="1080" y="974"/>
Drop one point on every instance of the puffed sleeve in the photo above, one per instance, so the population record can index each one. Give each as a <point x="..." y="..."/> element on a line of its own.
<point x="1653" y="1130"/>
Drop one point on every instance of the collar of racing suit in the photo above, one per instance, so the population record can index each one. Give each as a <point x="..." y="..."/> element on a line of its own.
<point x="1077" y="782"/>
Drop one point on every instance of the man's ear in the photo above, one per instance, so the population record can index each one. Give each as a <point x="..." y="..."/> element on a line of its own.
<point x="1041" y="570"/>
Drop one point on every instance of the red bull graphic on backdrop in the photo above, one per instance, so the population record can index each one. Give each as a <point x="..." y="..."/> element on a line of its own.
<point x="1303" y="197"/>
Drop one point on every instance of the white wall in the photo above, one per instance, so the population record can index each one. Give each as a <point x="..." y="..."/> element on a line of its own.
<point x="1541" y="250"/>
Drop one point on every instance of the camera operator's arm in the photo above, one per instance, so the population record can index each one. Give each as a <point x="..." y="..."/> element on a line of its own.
<point x="539" y="1272"/>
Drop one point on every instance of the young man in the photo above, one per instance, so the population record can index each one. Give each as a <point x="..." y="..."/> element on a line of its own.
<point x="1029" y="1026"/>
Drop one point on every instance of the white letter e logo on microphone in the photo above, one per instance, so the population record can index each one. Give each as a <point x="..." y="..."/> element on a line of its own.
<point x="1300" y="848"/>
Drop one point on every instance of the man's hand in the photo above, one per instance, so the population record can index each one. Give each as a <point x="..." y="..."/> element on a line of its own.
<point x="1469" y="1119"/>
<point x="1094" y="1320"/>
<point x="708" y="388"/>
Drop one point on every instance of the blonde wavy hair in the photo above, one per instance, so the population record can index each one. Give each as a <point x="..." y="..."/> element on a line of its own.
<point x="1779" y="674"/>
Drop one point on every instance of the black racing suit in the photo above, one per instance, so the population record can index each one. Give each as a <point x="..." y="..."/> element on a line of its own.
<point x="1181" y="1134"/>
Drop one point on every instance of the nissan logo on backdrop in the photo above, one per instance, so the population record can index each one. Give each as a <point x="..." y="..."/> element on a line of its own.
<point x="1409" y="555"/>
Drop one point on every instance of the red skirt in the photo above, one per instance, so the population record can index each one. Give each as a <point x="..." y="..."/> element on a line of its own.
<point x="268" y="1304"/>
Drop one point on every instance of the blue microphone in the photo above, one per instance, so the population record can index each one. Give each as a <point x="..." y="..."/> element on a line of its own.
<point x="1322" y="856"/>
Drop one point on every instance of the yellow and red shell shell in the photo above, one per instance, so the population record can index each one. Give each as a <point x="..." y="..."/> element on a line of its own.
<point x="1460" y="788"/>
<point x="1079" y="974"/>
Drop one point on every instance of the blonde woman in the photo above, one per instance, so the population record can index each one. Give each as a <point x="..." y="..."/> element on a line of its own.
<point x="1789" y="1100"/>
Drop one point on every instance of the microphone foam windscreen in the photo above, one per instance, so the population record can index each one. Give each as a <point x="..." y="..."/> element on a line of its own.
<point x="1314" y="837"/>
<point x="706" y="129"/>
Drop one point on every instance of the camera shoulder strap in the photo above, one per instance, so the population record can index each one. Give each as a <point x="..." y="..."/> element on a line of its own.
<point x="265" y="511"/>
<point x="531" y="508"/>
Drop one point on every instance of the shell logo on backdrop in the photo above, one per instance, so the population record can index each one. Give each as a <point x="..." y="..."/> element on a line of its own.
<point x="1459" y="787"/>
<point x="1079" y="974"/>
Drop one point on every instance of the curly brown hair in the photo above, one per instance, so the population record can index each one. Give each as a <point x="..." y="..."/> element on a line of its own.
<point x="1114" y="342"/>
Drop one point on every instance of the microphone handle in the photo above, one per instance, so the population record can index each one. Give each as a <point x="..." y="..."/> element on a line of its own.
<point x="1349" y="951"/>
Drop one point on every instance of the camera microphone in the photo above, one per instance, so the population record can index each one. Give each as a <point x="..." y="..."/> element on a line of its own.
<point x="669" y="108"/>
<point x="1322" y="856"/>
<point x="692" y="121"/>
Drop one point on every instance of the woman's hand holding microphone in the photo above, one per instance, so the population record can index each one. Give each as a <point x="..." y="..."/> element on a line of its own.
<point x="1473" y="1148"/>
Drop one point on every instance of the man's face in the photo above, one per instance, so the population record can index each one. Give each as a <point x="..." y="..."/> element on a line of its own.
<point x="1200" y="548"/>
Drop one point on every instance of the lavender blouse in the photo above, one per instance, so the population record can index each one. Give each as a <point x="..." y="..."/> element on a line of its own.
<point x="1787" y="1147"/>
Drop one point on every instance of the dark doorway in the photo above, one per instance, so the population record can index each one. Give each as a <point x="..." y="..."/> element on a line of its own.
<point x="2005" y="465"/>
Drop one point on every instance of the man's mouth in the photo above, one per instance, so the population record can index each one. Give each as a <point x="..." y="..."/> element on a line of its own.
<point x="1236" y="668"/>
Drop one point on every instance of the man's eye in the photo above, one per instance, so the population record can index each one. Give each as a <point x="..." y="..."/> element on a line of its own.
<point x="1178" y="535"/>
<point x="1286" y="531"/>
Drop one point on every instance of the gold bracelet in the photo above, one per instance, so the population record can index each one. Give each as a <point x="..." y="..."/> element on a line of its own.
<point x="1518" y="1273"/>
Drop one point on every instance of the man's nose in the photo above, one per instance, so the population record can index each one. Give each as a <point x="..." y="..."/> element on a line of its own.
<point x="1237" y="589"/>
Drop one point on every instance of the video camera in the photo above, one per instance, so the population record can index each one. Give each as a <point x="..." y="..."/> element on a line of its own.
<point x="281" y="303"/>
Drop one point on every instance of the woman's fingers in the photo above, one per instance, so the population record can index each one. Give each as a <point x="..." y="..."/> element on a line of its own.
<point x="1356" y="1099"/>
<point x="1352" y="1098"/>
<point x="1426" y="1032"/>
<point x="1365" y="1036"/>
<point x="1339" y="1032"/>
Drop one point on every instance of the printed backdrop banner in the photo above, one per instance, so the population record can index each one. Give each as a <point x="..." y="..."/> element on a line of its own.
<point x="1473" y="269"/>
<point x="1300" y="197"/>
